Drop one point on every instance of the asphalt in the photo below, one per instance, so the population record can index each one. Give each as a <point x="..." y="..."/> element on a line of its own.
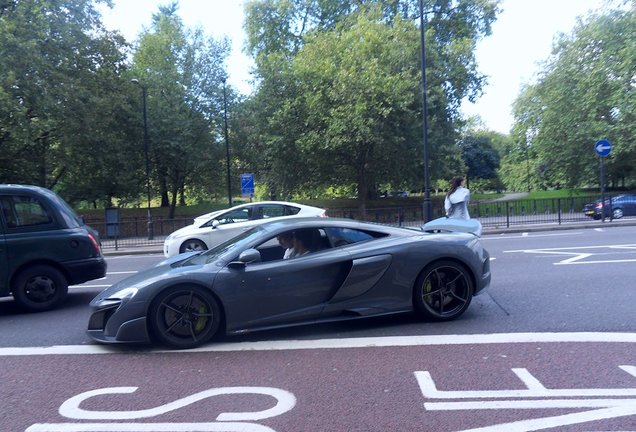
<point x="158" y="247"/>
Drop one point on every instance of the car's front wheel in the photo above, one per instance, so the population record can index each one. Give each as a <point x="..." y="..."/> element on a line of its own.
<point x="443" y="291"/>
<point x="39" y="288"/>
<point x="192" y="245"/>
<point x="184" y="317"/>
<point x="617" y="213"/>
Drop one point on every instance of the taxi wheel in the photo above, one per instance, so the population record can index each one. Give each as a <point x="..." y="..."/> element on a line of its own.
<point x="39" y="288"/>
<point x="184" y="317"/>
<point x="443" y="291"/>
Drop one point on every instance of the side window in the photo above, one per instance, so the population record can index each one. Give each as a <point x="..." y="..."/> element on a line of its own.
<point x="239" y="215"/>
<point x="270" y="211"/>
<point x="8" y="213"/>
<point x="293" y="243"/>
<point x="24" y="211"/>
<point x="289" y="210"/>
<point x="345" y="236"/>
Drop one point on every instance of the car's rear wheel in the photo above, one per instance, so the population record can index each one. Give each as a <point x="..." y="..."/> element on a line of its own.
<point x="617" y="213"/>
<point x="192" y="245"/>
<point x="443" y="291"/>
<point x="184" y="317"/>
<point x="39" y="288"/>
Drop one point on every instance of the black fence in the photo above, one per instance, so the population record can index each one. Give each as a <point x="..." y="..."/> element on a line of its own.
<point x="491" y="214"/>
<point x="135" y="232"/>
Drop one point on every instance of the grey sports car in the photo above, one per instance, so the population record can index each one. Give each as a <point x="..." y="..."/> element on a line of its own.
<point x="352" y="270"/>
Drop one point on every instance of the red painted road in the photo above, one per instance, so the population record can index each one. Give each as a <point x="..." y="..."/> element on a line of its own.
<point x="522" y="386"/>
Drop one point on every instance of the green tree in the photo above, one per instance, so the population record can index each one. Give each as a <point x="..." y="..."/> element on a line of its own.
<point x="586" y="92"/>
<point x="367" y="124"/>
<point x="61" y="117"/>
<point x="481" y="159"/>
<point x="183" y="73"/>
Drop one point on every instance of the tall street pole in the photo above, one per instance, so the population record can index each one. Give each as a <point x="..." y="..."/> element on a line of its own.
<point x="144" y="96"/>
<point x="227" y="147"/>
<point x="427" y="209"/>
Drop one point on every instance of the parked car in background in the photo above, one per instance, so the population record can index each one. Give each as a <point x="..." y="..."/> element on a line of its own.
<point x="44" y="247"/>
<point x="349" y="270"/>
<point x="619" y="206"/>
<point x="214" y="228"/>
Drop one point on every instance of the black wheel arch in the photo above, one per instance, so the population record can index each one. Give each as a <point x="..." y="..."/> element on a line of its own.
<point x="192" y="239"/>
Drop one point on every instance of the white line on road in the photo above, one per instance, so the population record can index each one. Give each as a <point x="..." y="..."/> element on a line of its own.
<point x="371" y="342"/>
<point x="526" y="235"/>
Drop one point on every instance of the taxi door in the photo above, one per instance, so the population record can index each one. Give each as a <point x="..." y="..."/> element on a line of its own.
<point x="4" y="257"/>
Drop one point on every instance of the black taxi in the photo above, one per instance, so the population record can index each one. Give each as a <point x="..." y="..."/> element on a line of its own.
<point x="44" y="247"/>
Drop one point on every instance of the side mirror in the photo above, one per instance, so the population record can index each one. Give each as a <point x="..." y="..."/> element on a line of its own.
<point x="249" y="256"/>
<point x="215" y="223"/>
<point x="246" y="257"/>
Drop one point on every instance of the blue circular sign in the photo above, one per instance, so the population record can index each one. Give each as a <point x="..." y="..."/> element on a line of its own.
<point x="603" y="147"/>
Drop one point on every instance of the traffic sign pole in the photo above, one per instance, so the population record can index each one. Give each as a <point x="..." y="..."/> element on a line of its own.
<point x="603" y="148"/>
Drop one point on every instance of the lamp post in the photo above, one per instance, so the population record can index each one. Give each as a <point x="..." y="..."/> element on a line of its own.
<point x="144" y="96"/>
<point x="427" y="207"/>
<point x="227" y="147"/>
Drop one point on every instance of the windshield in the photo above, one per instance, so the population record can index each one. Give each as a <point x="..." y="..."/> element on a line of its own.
<point x="229" y="247"/>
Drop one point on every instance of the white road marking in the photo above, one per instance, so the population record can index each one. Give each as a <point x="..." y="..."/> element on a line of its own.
<point x="625" y="246"/>
<point x="536" y="395"/>
<point x="389" y="341"/>
<point x="149" y="427"/>
<point x="525" y="235"/>
<point x="284" y="402"/>
<point x="578" y="257"/>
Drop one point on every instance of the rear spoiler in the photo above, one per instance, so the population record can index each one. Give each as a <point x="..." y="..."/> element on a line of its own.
<point x="445" y="224"/>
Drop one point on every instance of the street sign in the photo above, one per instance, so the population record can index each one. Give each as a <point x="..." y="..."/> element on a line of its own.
<point x="603" y="147"/>
<point x="247" y="184"/>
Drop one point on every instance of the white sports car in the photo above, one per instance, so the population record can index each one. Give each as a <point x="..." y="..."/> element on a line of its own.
<point x="214" y="228"/>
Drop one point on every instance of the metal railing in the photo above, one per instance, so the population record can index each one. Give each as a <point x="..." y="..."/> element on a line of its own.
<point x="131" y="232"/>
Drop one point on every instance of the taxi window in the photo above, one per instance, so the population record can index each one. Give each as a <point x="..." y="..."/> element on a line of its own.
<point x="24" y="211"/>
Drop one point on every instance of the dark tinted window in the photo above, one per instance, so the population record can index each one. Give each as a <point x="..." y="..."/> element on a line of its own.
<point x="24" y="211"/>
<point x="272" y="210"/>
<point x="289" y="210"/>
<point x="67" y="213"/>
<point x="344" y="236"/>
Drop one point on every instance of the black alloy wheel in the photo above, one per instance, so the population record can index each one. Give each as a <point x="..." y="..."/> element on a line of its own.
<point x="443" y="291"/>
<point x="40" y="288"/>
<point x="184" y="317"/>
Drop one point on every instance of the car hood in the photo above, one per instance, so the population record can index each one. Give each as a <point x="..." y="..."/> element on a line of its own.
<point x="187" y="230"/>
<point x="149" y="280"/>
<point x="206" y="217"/>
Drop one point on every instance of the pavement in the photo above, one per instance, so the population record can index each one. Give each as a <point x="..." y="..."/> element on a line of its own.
<point x="158" y="247"/>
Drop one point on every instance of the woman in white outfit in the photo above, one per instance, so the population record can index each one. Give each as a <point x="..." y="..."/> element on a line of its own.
<point x="457" y="199"/>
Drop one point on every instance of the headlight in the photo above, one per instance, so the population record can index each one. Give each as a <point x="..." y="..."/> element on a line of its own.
<point x="123" y="294"/>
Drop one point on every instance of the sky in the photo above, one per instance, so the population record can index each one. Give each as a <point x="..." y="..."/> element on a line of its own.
<point x="510" y="57"/>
